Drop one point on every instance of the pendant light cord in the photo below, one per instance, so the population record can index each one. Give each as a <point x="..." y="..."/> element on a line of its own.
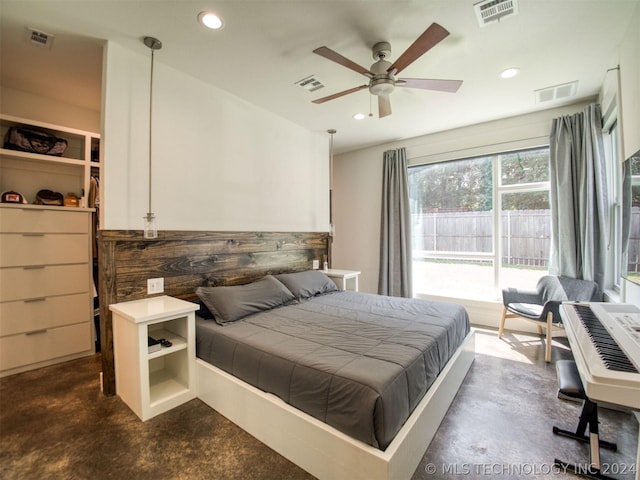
<point x="331" y="132"/>
<point x="153" y="44"/>
<point x="150" y="125"/>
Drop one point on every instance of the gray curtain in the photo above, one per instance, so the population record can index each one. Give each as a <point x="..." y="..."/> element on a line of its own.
<point x="579" y="199"/>
<point x="395" y="239"/>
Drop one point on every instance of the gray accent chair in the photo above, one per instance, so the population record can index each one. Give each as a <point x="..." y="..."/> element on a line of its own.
<point x="542" y="305"/>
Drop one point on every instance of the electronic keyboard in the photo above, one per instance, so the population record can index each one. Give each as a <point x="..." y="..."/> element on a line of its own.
<point x="605" y="341"/>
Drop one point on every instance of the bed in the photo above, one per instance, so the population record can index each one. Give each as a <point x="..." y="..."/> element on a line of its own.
<point x="344" y="384"/>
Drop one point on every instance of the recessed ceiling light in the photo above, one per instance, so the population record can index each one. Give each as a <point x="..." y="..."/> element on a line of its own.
<point x="210" y="20"/>
<point x="359" y="116"/>
<point x="510" y="72"/>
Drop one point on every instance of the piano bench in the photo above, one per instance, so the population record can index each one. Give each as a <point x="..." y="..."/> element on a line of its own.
<point x="570" y="385"/>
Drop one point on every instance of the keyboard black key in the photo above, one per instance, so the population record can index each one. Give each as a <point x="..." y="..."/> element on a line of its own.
<point x="612" y="356"/>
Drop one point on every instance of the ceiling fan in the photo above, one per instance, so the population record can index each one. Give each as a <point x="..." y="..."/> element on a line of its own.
<point x="382" y="74"/>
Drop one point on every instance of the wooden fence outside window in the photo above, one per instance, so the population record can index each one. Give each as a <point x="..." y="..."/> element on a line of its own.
<point x="526" y="235"/>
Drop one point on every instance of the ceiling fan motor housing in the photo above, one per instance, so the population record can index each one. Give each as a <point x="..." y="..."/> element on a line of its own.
<point x="382" y="83"/>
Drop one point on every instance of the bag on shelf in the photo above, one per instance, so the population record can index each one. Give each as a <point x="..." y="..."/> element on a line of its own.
<point x="48" y="197"/>
<point x="33" y="140"/>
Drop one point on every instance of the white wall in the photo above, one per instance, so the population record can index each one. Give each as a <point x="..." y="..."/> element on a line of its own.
<point x="219" y="163"/>
<point x="358" y="179"/>
<point x="630" y="86"/>
<point x="630" y="113"/>
<point x="43" y="109"/>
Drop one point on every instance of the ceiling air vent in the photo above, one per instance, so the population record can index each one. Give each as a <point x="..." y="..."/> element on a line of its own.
<point x="489" y="11"/>
<point x="39" y="38"/>
<point x="310" y="83"/>
<point x="557" y="92"/>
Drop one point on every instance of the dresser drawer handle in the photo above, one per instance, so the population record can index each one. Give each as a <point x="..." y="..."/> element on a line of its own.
<point x="38" y="299"/>
<point x="33" y="267"/>
<point x="33" y="234"/>
<point x="36" y="332"/>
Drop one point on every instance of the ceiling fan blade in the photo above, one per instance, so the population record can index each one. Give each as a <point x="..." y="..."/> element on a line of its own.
<point x="430" y="84"/>
<point x="340" y="94"/>
<point x="329" y="54"/>
<point x="384" y="106"/>
<point x="429" y="38"/>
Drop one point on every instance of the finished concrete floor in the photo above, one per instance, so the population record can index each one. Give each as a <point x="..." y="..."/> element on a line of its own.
<point x="55" y="424"/>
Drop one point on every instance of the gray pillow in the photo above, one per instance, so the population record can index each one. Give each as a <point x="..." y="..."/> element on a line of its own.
<point x="228" y="304"/>
<point x="307" y="284"/>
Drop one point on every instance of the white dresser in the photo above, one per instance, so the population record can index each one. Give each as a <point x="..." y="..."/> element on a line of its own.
<point x="46" y="286"/>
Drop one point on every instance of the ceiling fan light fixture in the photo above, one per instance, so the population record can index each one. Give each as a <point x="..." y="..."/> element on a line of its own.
<point x="510" y="72"/>
<point x="381" y="86"/>
<point x="210" y="20"/>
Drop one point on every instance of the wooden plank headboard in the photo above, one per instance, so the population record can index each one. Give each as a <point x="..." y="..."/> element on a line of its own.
<point x="187" y="260"/>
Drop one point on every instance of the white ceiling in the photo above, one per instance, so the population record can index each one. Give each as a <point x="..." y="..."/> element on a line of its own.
<point x="266" y="46"/>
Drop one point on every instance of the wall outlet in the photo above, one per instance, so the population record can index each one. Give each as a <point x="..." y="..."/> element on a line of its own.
<point x="155" y="285"/>
<point x="316" y="264"/>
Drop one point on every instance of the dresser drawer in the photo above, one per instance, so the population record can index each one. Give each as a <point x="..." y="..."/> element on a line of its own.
<point x="39" y="346"/>
<point x="23" y="283"/>
<point x="46" y="312"/>
<point x="20" y="249"/>
<point x="35" y="220"/>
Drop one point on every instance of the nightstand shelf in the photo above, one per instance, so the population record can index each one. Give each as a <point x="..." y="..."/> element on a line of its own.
<point x="163" y="386"/>
<point x="152" y="383"/>
<point x="178" y="343"/>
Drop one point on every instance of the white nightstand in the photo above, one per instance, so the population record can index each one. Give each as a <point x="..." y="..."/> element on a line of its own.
<point x="343" y="278"/>
<point x="152" y="383"/>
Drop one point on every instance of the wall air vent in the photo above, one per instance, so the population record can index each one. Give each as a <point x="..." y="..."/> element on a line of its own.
<point x="39" y="38"/>
<point x="557" y="92"/>
<point x="310" y="83"/>
<point x="489" y="11"/>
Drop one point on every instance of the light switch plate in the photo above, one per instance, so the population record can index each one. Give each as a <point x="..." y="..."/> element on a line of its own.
<point x="155" y="285"/>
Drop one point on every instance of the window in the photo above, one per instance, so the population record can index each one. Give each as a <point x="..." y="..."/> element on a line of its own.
<point x="525" y="214"/>
<point x="461" y="208"/>
<point x="622" y="264"/>
<point x="614" y="185"/>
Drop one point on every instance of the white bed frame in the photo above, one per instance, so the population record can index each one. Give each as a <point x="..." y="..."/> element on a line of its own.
<point x="320" y="449"/>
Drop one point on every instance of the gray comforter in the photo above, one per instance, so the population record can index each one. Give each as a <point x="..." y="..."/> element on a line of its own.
<point x="358" y="362"/>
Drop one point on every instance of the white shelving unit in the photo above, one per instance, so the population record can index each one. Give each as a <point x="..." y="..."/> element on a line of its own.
<point x="152" y="383"/>
<point x="28" y="173"/>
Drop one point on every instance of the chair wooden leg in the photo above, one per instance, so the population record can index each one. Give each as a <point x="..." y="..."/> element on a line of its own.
<point x="501" y="327"/>
<point x="547" y="352"/>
